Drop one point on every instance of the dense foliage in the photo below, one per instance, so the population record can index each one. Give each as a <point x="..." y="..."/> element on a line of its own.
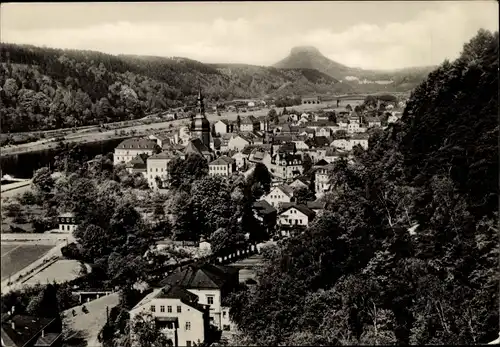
<point x="407" y="251"/>
<point x="43" y="88"/>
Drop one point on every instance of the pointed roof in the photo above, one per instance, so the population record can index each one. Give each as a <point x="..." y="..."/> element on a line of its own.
<point x="196" y="146"/>
<point x="138" y="162"/>
<point x="285" y="188"/>
<point x="200" y="276"/>
<point x="162" y="156"/>
<point x="224" y="160"/>
<point x="302" y="208"/>
<point x="263" y="207"/>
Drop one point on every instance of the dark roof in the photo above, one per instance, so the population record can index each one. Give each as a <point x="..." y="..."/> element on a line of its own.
<point x="287" y="147"/>
<point x="302" y="208"/>
<point x="26" y="329"/>
<point x="139" y="162"/>
<point x="263" y="207"/>
<point x="285" y="188"/>
<point x="322" y="162"/>
<point x="195" y="146"/>
<point x="196" y="276"/>
<point x="162" y="155"/>
<point x="47" y="340"/>
<point x="318" y="141"/>
<point x="137" y="143"/>
<point x="316" y="205"/>
<point x="224" y="160"/>
<point x="175" y="292"/>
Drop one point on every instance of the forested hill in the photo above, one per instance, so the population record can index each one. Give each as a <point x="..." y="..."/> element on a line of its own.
<point x="360" y="275"/>
<point x="44" y="88"/>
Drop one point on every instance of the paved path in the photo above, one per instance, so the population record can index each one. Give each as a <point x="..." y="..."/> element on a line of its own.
<point x="91" y="323"/>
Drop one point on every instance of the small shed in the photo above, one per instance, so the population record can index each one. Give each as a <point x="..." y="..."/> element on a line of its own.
<point x="67" y="222"/>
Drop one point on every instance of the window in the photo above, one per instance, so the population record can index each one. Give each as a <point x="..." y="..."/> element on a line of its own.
<point x="188" y="325"/>
<point x="210" y="299"/>
<point x="162" y="308"/>
<point x="179" y="309"/>
<point x="188" y="343"/>
<point x="169" y="309"/>
<point x="153" y="308"/>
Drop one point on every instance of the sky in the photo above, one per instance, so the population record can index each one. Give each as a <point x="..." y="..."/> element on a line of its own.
<point x="369" y="35"/>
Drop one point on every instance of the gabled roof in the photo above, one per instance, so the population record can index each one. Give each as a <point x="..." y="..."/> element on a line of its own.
<point x="249" y="120"/>
<point x="302" y="180"/>
<point x="263" y="207"/>
<point x="285" y="188"/>
<point x="138" y="162"/>
<point x="162" y="156"/>
<point x="67" y="215"/>
<point x="137" y="143"/>
<point x="196" y="276"/>
<point x="316" y="205"/>
<point x="302" y="208"/>
<point x="224" y="160"/>
<point x="332" y="152"/>
<point x="226" y="122"/>
<point x="360" y="136"/>
<point x="25" y="329"/>
<point x="321" y="162"/>
<point x="195" y="146"/>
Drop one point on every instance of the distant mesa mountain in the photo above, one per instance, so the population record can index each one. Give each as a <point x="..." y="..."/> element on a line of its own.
<point x="311" y="58"/>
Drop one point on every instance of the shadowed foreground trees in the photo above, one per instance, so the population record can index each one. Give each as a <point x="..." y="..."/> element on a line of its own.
<point x="358" y="276"/>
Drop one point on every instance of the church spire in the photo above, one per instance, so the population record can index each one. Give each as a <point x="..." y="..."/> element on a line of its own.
<point x="201" y="107"/>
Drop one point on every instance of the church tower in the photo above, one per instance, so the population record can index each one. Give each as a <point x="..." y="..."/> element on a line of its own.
<point x="200" y="126"/>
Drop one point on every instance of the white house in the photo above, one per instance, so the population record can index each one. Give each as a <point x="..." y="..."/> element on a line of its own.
<point x="322" y="179"/>
<point x="249" y="124"/>
<point x="323" y="131"/>
<point x="359" y="139"/>
<point x="344" y="144"/>
<point x="157" y="166"/>
<point x="301" y="145"/>
<point x="280" y="194"/>
<point x="221" y="127"/>
<point x="296" y="215"/>
<point x="299" y="183"/>
<point x="177" y="314"/>
<point x="373" y="122"/>
<point x="241" y="160"/>
<point x="238" y="142"/>
<point x="131" y="148"/>
<point x="212" y="284"/>
<point x="67" y="222"/>
<point x="222" y="166"/>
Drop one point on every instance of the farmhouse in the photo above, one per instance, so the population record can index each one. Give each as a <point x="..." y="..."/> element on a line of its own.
<point x="296" y="215"/>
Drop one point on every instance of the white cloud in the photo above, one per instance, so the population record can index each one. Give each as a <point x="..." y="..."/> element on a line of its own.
<point x="428" y="39"/>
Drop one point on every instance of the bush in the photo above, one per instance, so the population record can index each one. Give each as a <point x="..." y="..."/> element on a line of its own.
<point x="13" y="210"/>
<point x="28" y="198"/>
<point x="71" y="251"/>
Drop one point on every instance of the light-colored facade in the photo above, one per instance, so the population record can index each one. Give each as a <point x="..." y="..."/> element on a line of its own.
<point x="131" y="148"/>
<point x="241" y="160"/>
<point x="185" y="324"/>
<point x="293" y="216"/>
<point x="278" y="195"/>
<point x="223" y="166"/>
<point x="157" y="166"/>
<point x="322" y="180"/>
<point x="237" y="143"/>
<point x="221" y="127"/>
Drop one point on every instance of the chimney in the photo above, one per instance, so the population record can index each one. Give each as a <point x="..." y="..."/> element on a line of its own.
<point x="13" y="325"/>
<point x="43" y="333"/>
<point x="13" y="309"/>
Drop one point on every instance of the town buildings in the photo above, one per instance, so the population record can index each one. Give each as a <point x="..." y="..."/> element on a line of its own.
<point x="131" y="148"/>
<point x="280" y="194"/>
<point x="157" y="168"/>
<point x="30" y="331"/>
<point x="222" y="166"/>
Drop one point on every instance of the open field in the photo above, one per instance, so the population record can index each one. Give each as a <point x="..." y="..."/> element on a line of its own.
<point x="59" y="272"/>
<point x="16" y="257"/>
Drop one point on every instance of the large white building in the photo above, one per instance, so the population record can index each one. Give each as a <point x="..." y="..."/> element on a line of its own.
<point x="131" y="148"/>
<point x="278" y="195"/>
<point x="157" y="166"/>
<point x="222" y="166"/>
<point x="177" y="314"/>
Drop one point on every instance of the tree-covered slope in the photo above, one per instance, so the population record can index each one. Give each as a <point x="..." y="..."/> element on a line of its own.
<point x="45" y="88"/>
<point x="359" y="275"/>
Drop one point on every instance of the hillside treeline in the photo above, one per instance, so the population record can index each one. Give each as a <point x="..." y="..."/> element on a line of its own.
<point x="407" y="251"/>
<point x="43" y="88"/>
